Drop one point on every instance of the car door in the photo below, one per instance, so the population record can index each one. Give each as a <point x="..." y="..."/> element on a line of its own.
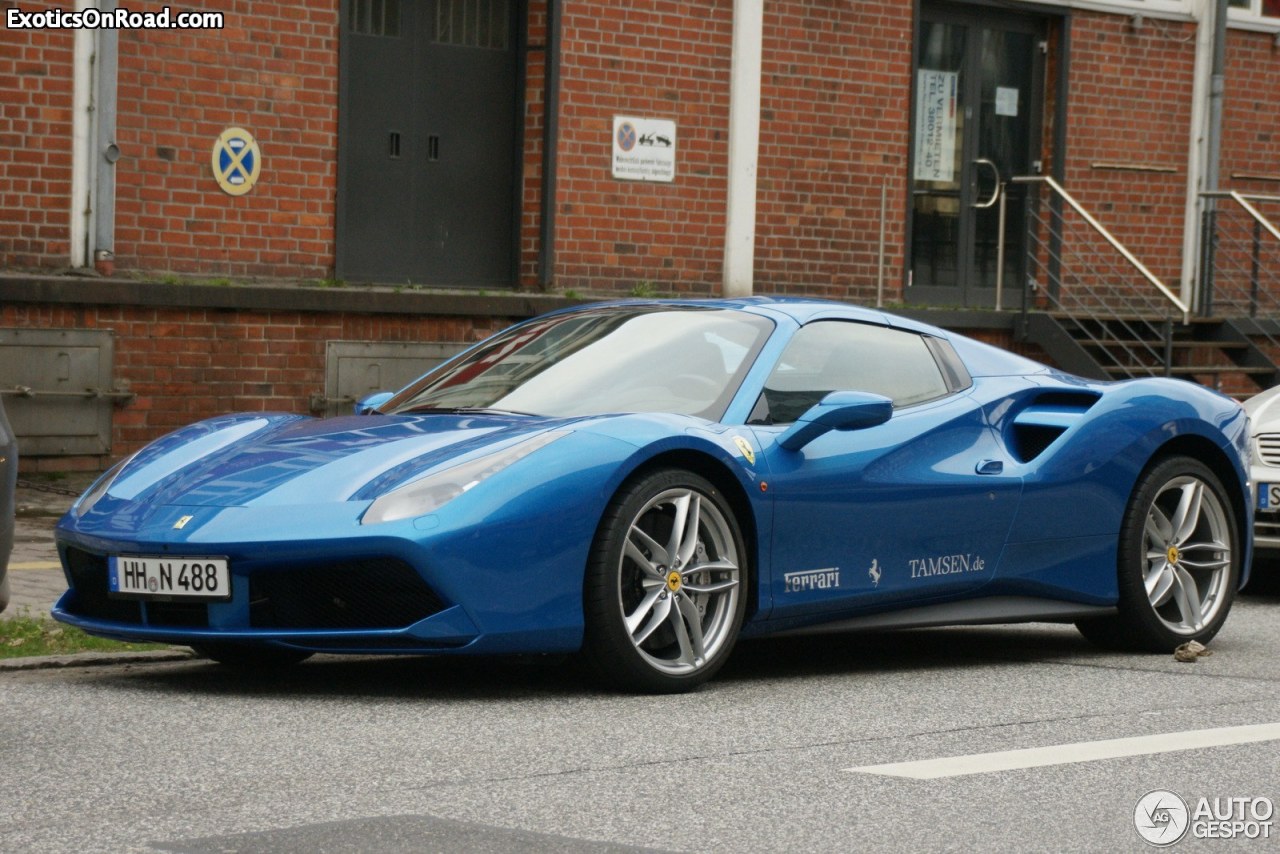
<point x="914" y="509"/>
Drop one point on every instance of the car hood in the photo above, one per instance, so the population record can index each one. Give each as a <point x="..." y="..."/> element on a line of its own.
<point x="272" y="459"/>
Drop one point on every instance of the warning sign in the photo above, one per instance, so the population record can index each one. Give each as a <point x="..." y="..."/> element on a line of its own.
<point x="237" y="162"/>
<point x="644" y="149"/>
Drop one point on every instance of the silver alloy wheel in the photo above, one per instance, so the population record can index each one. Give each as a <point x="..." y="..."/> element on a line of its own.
<point x="1187" y="548"/>
<point x="680" y="581"/>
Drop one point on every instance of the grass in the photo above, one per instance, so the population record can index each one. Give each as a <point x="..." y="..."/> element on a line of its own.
<point x="22" y="635"/>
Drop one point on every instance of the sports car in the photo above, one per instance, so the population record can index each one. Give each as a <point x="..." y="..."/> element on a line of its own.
<point x="645" y="482"/>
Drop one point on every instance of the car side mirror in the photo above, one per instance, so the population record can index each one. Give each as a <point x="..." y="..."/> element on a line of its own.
<point x="839" y="410"/>
<point x="366" y="405"/>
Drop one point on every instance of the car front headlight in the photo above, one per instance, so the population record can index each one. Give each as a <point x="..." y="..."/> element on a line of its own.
<point x="427" y="494"/>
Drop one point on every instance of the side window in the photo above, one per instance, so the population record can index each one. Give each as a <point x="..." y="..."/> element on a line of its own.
<point x="837" y="355"/>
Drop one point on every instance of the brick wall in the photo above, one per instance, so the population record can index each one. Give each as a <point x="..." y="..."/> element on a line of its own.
<point x="669" y="61"/>
<point x="35" y="143"/>
<point x="835" y="130"/>
<point x="185" y="364"/>
<point x="836" y="85"/>
<point x="1130" y="104"/>
<point x="273" y="70"/>
<point x="1250" y="132"/>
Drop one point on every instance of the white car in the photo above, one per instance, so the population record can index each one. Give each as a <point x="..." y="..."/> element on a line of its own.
<point x="1264" y="420"/>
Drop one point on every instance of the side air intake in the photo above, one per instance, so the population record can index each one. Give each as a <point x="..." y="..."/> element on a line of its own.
<point x="1044" y="419"/>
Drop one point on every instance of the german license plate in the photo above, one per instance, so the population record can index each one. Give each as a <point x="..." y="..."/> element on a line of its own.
<point x="169" y="578"/>
<point x="1269" y="496"/>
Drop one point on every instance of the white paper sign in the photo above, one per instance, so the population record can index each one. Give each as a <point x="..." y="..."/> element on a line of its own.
<point x="936" y="125"/>
<point x="1006" y="101"/>
<point x="644" y="149"/>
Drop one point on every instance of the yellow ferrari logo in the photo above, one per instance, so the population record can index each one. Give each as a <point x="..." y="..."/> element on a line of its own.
<point x="745" y="447"/>
<point x="1173" y="554"/>
<point x="182" y="523"/>
<point x="673" y="581"/>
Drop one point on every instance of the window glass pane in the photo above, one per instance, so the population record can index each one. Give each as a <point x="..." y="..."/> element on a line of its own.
<point x="832" y="356"/>
<point x="612" y="359"/>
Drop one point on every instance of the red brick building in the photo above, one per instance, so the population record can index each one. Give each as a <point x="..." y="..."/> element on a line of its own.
<point x="483" y="144"/>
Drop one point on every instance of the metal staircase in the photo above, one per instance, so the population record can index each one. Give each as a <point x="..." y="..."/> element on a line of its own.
<point x="1097" y="311"/>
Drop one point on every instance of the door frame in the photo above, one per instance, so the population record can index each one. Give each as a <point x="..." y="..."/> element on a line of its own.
<point x="1043" y="22"/>
<point x="520" y="50"/>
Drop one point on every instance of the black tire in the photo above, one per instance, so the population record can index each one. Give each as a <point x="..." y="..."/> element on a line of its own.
<point x="1191" y="558"/>
<point x="685" y="610"/>
<point x="251" y="657"/>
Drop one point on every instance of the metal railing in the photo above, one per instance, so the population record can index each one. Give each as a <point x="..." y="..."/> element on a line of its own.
<point x="1111" y="302"/>
<point x="1240" y="263"/>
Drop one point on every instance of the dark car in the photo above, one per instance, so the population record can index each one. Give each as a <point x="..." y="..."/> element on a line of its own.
<point x="8" y="479"/>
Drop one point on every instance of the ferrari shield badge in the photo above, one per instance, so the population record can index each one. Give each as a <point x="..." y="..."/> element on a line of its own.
<point x="745" y="447"/>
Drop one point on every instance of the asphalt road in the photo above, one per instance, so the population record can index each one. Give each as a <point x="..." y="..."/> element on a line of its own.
<point x="448" y="755"/>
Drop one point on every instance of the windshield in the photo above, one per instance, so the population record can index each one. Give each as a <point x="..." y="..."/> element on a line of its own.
<point x="680" y="359"/>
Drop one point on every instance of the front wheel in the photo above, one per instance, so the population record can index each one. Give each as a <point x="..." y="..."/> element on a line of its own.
<point x="666" y="584"/>
<point x="1178" y="561"/>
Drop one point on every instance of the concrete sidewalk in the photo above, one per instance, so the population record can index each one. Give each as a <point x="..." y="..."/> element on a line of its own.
<point x="35" y="575"/>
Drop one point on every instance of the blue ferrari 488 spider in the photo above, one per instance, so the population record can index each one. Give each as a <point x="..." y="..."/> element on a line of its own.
<point x="646" y="482"/>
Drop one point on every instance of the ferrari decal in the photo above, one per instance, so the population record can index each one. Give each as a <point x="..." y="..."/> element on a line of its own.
<point x="745" y="447"/>
<point x="812" y="579"/>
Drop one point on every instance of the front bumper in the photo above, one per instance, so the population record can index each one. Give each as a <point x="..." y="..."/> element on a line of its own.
<point x="342" y="604"/>
<point x="315" y="579"/>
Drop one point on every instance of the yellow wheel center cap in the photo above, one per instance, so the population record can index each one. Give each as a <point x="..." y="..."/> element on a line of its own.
<point x="1173" y="554"/>
<point x="673" y="581"/>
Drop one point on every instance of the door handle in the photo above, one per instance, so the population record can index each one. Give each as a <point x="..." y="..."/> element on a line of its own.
<point x="995" y="194"/>
<point x="989" y="467"/>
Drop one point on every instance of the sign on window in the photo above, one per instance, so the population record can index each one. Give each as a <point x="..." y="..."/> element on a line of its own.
<point x="936" y="125"/>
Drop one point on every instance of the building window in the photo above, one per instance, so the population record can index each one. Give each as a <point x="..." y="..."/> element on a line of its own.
<point x="1265" y="8"/>
<point x="474" y="23"/>
<point x="375" y="17"/>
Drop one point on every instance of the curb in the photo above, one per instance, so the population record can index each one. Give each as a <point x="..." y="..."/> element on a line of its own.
<point x="95" y="659"/>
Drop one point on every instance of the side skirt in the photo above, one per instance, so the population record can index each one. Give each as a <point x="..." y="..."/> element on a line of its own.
<point x="973" y="612"/>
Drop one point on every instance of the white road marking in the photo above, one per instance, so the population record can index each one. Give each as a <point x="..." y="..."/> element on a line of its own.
<point x="36" y="564"/>
<point x="1063" y="754"/>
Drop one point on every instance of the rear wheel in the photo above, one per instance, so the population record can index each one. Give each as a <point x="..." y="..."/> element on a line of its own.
<point x="241" y="655"/>
<point x="1178" y="561"/>
<point x="666" y="585"/>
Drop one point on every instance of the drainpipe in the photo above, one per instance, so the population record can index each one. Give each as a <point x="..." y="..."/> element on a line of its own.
<point x="550" y="138"/>
<point x="1208" y="90"/>
<point x="82" y="162"/>
<point x="744" y="146"/>
<point x="105" y="150"/>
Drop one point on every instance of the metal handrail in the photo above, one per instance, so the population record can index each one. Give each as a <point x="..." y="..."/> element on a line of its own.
<point x="1110" y="238"/>
<point x="1244" y="202"/>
